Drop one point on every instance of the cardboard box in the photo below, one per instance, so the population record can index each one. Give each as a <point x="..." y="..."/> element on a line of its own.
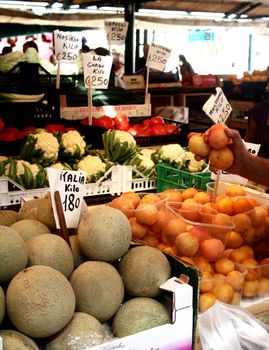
<point x="177" y="335"/>
<point x="180" y="334"/>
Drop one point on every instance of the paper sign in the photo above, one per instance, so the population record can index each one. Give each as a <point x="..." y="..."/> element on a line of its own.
<point x="96" y="70"/>
<point x="71" y="185"/>
<point x="253" y="148"/>
<point x="116" y="32"/>
<point x="67" y="46"/>
<point x="217" y="107"/>
<point x="157" y="57"/>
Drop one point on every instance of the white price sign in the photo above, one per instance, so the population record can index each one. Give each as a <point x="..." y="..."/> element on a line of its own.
<point x="96" y="70"/>
<point x="67" y="45"/>
<point x="116" y="32"/>
<point x="71" y="186"/>
<point x="157" y="57"/>
<point x="217" y="107"/>
<point x="253" y="148"/>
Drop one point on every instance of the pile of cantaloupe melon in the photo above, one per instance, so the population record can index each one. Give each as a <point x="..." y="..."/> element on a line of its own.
<point x="56" y="296"/>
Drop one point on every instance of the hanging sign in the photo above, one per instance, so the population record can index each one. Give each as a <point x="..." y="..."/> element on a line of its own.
<point x="67" y="46"/>
<point x="71" y="186"/>
<point x="157" y="57"/>
<point x="116" y="32"/>
<point x="217" y="107"/>
<point x="96" y="71"/>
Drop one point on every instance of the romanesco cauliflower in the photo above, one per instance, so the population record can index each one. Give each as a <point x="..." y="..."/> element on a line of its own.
<point x="40" y="147"/>
<point x="93" y="166"/>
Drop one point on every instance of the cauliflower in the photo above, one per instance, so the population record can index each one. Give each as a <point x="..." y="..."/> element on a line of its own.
<point x="72" y="145"/>
<point x="31" y="55"/>
<point x="40" y="147"/>
<point x="147" y="152"/>
<point x="143" y="164"/>
<point x="172" y="154"/>
<point x="93" y="166"/>
<point x="119" y="146"/>
<point x="61" y="166"/>
<point x="26" y="174"/>
<point x="8" y="61"/>
<point x="192" y="165"/>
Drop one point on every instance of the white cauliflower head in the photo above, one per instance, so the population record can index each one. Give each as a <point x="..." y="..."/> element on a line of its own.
<point x="73" y="142"/>
<point x="194" y="165"/>
<point x="174" y="152"/>
<point x="48" y="143"/>
<point x="92" y="165"/>
<point x="124" y="136"/>
<point x="146" y="162"/>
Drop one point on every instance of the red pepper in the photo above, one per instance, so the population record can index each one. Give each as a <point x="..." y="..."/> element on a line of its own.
<point x="7" y="137"/>
<point x="158" y="129"/>
<point x="2" y="125"/>
<point x="55" y="128"/>
<point x="156" y="120"/>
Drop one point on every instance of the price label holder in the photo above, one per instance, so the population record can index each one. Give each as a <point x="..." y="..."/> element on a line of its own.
<point x="156" y="59"/>
<point x="67" y="45"/>
<point x="67" y="190"/>
<point x="116" y="32"/>
<point x="218" y="109"/>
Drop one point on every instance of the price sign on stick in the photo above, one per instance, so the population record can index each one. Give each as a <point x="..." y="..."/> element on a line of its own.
<point x="71" y="186"/>
<point x="116" y="32"/>
<point x="67" y="45"/>
<point x="96" y="70"/>
<point x="157" y="57"/>
<point x="217" y="107"/>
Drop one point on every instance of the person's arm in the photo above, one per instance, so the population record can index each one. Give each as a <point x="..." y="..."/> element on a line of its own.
<point x="250" y="135"/>
<point x="253" y="168"/>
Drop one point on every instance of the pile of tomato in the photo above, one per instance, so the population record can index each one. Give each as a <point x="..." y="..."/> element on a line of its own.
<point x="154" y="126"/>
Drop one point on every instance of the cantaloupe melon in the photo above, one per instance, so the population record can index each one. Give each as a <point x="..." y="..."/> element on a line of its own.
<point x="98" y="288"/>
<point x="50" y="250"/>
<point x="40" y="301"/>
<point x="143" y="270"/>
<point x="14" y="340"/>
<point x="2" y="305"/>
<point x="13" y="254"/>
<point x="29" y="228"/>
<point x="82" y="332"/>
<point x="28" y="210"/>
<point x="137" y="315"/>
<point x="78" y="256"/>
<point x="8" y="217"/>
<point x="104" y="234"/>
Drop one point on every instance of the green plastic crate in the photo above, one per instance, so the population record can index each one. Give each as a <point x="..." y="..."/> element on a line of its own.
<point x="169" y="177"/>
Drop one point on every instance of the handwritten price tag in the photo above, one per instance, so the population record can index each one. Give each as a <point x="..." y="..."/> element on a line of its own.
<point x="97" y="70"/>
<point x="157" y="57"/>
<point x="71" y="185"/>
<point x="217" y="107"/>
<point x="67" y="45"/>
<point x="116" y="32"/>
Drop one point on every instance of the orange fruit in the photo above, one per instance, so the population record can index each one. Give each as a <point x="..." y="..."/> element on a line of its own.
<point x="206" y="300"/>
<point x="224" y="266"/>
<point x="221" y="159"/>
<point x="146" y="213"/>
<point x="225" y="205"/>
<point x="234" y="240"/>
<point x="242" y="205"/>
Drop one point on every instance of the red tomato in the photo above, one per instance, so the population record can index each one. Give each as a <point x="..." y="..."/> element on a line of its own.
<point x="121" y="122"/>
<point x="55" y="127"/>
<point x="30" y="128"/>
<point x="172" y="129"/>
<point x="104" y="122"/>
<point x="158" y="129"/>
<point x="156" y="120"/>
<point x="2" y="125"/>
<point x="11" y="130"/>
<point x="133" y="131"/>
<point x="20" y="134"/>
<point x="146" y="122"/>
<point x="144" y="131"/>
<point x="7" y="137"/>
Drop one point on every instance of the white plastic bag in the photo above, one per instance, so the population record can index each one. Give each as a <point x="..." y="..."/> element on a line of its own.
<point x="226" y="327"/>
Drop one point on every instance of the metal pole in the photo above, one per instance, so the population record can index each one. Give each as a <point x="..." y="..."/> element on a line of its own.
<point x="129" y="43"/>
